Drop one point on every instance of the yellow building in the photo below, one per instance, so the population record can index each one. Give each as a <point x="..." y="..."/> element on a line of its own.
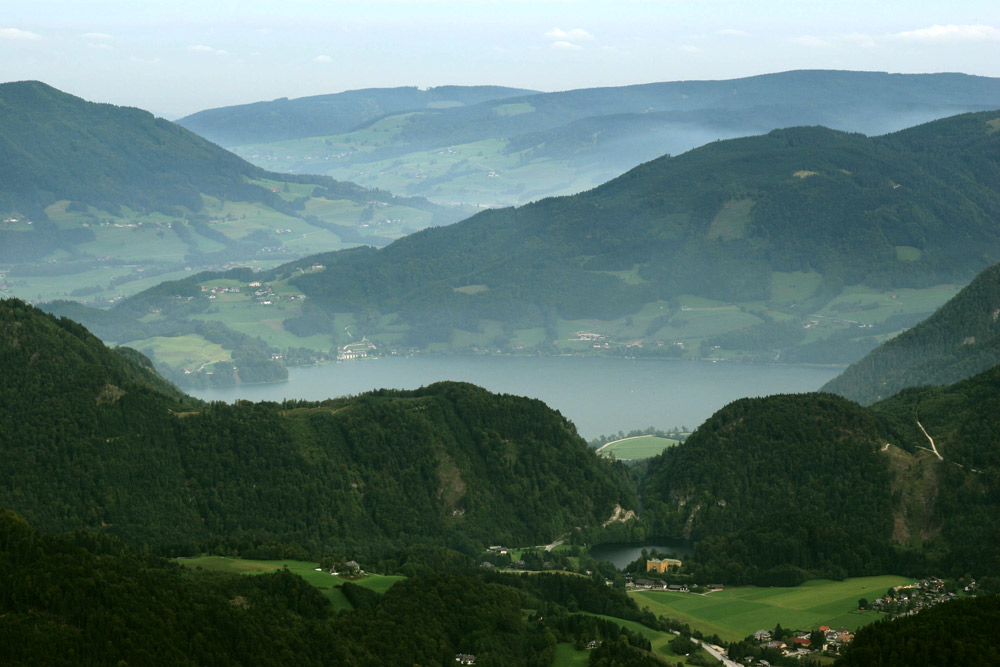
<point x="661" y="565"/>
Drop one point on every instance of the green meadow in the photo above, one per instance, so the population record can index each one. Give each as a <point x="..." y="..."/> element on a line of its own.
<point x="640" y="447"/>
<point x="734" y="613"/>
<point x="327" y="583"/>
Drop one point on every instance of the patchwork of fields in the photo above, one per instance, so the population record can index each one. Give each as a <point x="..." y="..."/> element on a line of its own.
<point x="735" y="613"/>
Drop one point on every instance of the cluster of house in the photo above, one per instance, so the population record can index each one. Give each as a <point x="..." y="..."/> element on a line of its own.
<point x="221" y="289"/>
<point x="263" y="294"/>
<point x="650" y="585"/>
<point x="600" y="341"/>
<point x="833" y="640"/>
<point x="502" y="551"/>
<point x="349" y="569"/>
<point x="911" y="599"/>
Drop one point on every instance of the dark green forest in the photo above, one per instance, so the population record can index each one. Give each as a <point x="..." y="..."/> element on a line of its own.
<point x="778" y="490"/>
<point x="771" y="491"/>
<point x="960" y="633"/>
<point x="959" y="340"/>
<point x="84" y="598"/>
<point x="93" y="440"/>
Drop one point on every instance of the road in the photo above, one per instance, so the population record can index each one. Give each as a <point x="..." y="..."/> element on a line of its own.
<point x="718" y="653"/>
<point x="931" y="440"/>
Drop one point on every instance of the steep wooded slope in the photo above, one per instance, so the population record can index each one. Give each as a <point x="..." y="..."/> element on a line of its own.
<point x="87" y="446"/>
<point x="959" y="340"/>
<point x="819" y="483"/>
<point x="811" y="199"/>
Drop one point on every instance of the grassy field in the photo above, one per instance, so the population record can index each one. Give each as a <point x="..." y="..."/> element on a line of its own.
<point x="328" y="584"/>
<point x="735" y="613"/>
<point x="190" y="352"/>
<point x="641" y="447"/>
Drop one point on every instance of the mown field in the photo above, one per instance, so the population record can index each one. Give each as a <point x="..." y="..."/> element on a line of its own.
<point x="735" y="613"/>
<point x="640" y="447"/>
<point x="328" y="584"/>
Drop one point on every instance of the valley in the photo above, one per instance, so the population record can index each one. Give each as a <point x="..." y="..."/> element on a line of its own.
<point x="693" y="372"/>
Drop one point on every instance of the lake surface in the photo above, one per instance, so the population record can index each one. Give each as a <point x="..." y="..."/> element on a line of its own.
<point x="600" y="395"/>
<point x="620" y="555"/>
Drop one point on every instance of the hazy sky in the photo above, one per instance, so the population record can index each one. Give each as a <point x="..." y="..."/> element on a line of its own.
<point x="174" y="57"/>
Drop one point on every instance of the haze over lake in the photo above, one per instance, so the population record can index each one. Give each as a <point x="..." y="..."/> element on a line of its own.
<point x="600" y="395"/>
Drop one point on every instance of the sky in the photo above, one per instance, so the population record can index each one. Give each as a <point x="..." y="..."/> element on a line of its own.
<point x="175" y="57"/>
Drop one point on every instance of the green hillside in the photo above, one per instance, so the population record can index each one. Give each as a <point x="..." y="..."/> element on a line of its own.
<point x="959" y="340"/>
<point x="515" y="149"/>
<point x="815" y="200"/>
<point x="92" y="443"/>
<point x="282" y="119"/>
<point x="85" y="599"/>
<point x="773" y="489"/>
<point x="97" y="201"/>
<point x="805" y="245"/>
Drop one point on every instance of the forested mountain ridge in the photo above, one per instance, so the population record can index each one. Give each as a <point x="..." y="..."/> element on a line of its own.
<point x="518" y="148"/>
<point x="329" y="114"/>
<point x="86" y="446"/>
<point x="773" y="488"/>
<point x="960" y="339"/>
<point x="715" y="222"/>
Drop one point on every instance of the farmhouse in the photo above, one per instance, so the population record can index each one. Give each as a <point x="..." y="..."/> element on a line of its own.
<point x="661" y="565"/>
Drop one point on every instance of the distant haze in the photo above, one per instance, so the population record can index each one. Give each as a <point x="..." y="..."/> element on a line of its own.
<point x="178" y="57"/>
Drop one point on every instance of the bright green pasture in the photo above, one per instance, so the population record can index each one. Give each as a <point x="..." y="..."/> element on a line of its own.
<point x="867" y="305"/>
<point x="734" y="613"/>
<point x="191" y="351"/>
<point x="327" y="583"/>
<point x="641" y="447"/>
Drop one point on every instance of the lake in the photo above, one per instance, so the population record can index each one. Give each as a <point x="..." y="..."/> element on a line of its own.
<point x="621" y="554"/>
<point x="600" y="395"/>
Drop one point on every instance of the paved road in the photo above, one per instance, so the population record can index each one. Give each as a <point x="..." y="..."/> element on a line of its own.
<point x="718" y="653"/>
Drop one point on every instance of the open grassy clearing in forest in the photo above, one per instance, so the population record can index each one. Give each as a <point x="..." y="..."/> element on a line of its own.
<point x="734" y="613"/>
<point x="639" y="447"/>
<point x="327" y="583"/>
<point x="659" y="640"/>
<point x="190" y="351"/>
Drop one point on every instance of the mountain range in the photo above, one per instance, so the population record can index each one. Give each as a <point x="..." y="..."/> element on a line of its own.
<point x="804" y="244"/>
<point x="503" y="146"/>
